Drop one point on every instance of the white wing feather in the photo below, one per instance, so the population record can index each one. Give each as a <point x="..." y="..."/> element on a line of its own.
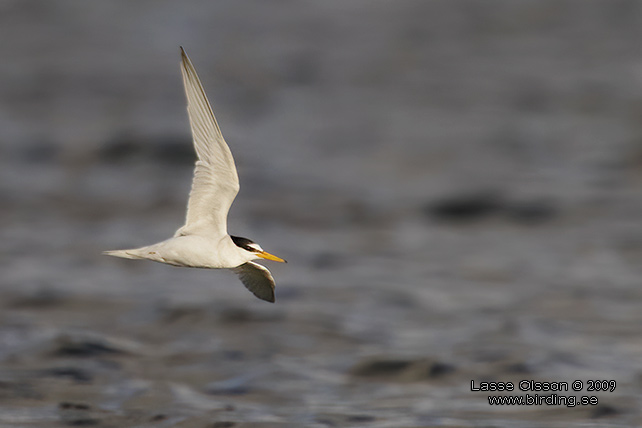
<point x="216" y="181"/>
<point x="257" y="279"/>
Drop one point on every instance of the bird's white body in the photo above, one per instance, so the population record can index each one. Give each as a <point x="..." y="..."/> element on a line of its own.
<point x="203" y="242"/>
<point x="191" y="251"/>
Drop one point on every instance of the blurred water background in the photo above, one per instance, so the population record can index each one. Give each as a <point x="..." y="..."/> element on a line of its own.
<point x="456" y="185"/>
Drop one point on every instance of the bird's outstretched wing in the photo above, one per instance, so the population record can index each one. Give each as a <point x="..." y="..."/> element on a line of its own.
<point x="257" y="279"/>
<point x="216" y="181"/>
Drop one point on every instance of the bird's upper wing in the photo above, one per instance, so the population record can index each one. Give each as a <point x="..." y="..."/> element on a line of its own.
<point x="216" y="181"/>
<point x="257" y="279"/>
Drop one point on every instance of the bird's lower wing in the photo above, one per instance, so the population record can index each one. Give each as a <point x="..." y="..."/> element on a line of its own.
<point x="257" y="279"/>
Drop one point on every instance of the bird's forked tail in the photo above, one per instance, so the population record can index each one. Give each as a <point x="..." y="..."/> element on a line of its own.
<point x="125" y="254"/>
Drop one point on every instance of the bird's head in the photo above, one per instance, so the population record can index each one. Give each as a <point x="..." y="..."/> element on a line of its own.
<point x="255" y="249"/>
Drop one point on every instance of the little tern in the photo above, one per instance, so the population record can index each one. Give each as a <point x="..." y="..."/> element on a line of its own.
<point x="203" y="242"/>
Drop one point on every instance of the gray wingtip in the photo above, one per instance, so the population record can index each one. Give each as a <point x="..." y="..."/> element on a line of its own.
<point x="269" y="298"/>
<point x="184" y="56"/>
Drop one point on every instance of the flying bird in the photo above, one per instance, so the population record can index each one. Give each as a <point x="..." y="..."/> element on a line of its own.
<point x="203" y="242"/>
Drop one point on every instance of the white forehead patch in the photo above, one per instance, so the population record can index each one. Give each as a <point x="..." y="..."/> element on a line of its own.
<point x="255" y="246"/>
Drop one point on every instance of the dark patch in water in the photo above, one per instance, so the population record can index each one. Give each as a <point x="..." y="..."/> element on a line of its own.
<point x="464" y="208"/>
<point x="85" y="347"/>
<point x="76" y="414"/>
<point x="604" y="410"/>
<point x="76" y="406"/>
<point x="73" y="373"/>
<point x="468" y="208"/>
<point x="380" y="367"/>
<point x="439" y="369"/>
<point x="402" y="370"/>
<point x="360" y="418"/>
<point x="157" y="418"/>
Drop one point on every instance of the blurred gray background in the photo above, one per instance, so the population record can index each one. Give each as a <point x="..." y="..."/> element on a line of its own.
<point x="456" y="185"/>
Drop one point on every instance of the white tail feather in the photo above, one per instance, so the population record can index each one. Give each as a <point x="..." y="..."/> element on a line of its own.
<point x="125" y="254"/>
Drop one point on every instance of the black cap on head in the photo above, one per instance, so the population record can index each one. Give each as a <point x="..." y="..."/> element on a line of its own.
<point x="244" y="243"/>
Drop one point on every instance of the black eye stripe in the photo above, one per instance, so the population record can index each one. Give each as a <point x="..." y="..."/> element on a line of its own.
<point x="243" y="243"/>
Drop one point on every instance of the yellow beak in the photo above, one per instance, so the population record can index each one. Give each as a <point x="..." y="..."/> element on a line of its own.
<point x="268" y="256"/>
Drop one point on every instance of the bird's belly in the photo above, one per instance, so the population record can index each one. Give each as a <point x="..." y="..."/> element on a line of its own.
<point x="190" y="251"/>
